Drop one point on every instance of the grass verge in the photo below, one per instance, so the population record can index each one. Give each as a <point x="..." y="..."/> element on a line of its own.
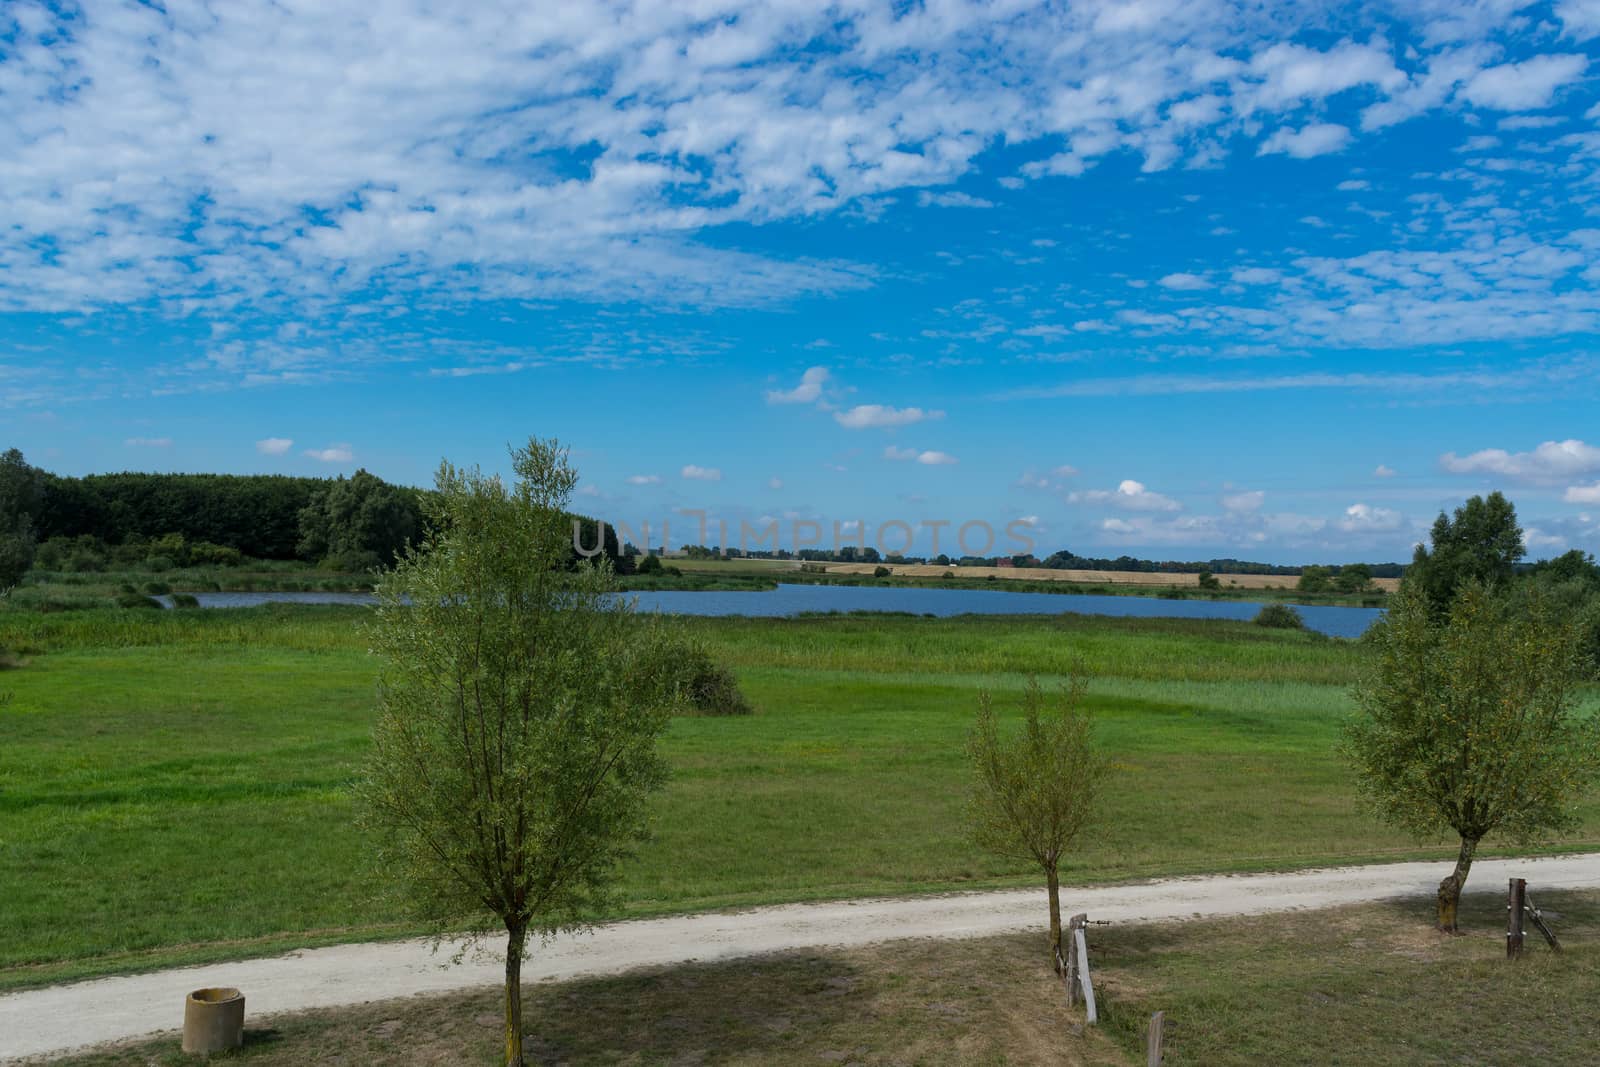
<point x="1370" y="985"/>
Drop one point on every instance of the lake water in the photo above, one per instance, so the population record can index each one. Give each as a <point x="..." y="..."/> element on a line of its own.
<point x="795" y="599"/>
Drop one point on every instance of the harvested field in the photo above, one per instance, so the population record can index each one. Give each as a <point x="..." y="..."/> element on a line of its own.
<point x="1046" y="574"/>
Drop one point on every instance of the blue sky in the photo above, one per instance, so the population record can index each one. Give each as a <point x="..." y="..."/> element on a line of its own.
<point x="1169" y="279"/>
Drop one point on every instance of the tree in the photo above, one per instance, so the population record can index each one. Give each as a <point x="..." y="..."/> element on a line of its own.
<point x="1481" y="543"/>
<point x="1207" y="580"/>
<point x="1353" y="578"/>
<point x="1036" y="790"/>
<point x="519" y="707"/>
<point x="21" y="492"/>
<point x="359" y="523"/>
<point x="1466" y="724"/>
<point x="1315" y="579"/>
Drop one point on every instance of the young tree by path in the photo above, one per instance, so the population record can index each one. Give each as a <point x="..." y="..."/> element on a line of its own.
<point x="1036" y="789"/>
<point x="519" y="708"/>
<point x="1466" y="723"/>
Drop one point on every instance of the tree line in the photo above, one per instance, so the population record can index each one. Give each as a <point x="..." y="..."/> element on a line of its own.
<point x="96" y="521"/>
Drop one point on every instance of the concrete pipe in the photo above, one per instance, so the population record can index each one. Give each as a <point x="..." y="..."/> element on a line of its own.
<point x="213" y="1020"/>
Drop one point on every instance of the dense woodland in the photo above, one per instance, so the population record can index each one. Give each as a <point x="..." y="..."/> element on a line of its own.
<point x="83" y="524"/>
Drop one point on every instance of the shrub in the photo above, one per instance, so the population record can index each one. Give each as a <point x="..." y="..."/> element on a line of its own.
<point x="185" y="600"/>
<point x="648" y="565"/>
<point x="881" y="572"/>
<point x="82" y="562"/>
<point x="137" y="600"/>
<point x="157" y="588"/>
<point x="159" y="564"/>
<point x="1280" y="617"/>
<point x="1207" y="580"/>
<point x="204" y="553"/>
<point x="353" y="561"/>
<point x="51" y="555"/>
<point x="690" y="674"/>
<point x="948" y="574"/>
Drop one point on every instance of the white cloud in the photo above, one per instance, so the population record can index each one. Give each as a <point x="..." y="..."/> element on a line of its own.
<point x="1256" y="276"/>
<point x="590" y="491"/>
<point x="1582" y="494"/>
<point x="331" y="454"/>
<point x="1353" y="185"/>
<point x="644" y="479"/>
<point x="1244" y="501"/>
<point x="148" y="442"/>
<point x="1552" y="461"/>
<point x="1525" y="86"/>
<point x="880" y="416"/>
<point x="702" y="474"/>
<point x="951" y="199"/>
<point x="1580" y="19"/>
<point x="927" y="458"/>
<point x="1315" y="140"/>
<point x="1365" y="518"/>
<point x="1129" y="494"/>
<point x="808" y="391"/>
<point x="1383" y="470"/>
<point x="274" y="446"/>
<point x="502" y="151"/>
<point x="1183" y="282"/>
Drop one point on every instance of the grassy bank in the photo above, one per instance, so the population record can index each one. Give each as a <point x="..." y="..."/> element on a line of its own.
<point x="183" y="777"/>
<point x="1370" y="985"/>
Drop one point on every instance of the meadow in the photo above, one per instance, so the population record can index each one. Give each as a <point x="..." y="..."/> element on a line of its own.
<point x="175" y="786"/>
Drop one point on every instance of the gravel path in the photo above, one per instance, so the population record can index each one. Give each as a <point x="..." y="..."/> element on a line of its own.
<point x="50" y="1021"/>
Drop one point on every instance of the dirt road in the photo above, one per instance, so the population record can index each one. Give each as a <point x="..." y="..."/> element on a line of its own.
<point x="45" y="1022"/>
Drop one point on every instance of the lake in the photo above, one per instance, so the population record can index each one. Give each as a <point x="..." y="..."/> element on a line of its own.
<point x="796" y="599"/>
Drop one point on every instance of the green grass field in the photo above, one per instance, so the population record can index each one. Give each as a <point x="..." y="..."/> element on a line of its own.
<point x="175" y="785"/>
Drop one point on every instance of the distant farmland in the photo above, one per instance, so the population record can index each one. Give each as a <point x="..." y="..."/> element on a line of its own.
<point x="1047" y="574"/>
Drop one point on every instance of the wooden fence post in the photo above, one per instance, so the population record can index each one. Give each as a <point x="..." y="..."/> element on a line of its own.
<point x="1153" y="1039"/>
<point x="1082" y="944"/>
<point x="1516" y="908"/>
<point x="1073" y="925"/>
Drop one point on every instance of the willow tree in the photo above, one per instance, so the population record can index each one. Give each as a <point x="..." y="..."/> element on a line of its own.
<point x="519" y="708"/>
<point x="1036" y="787"/>
<point x="1466" y="723"/>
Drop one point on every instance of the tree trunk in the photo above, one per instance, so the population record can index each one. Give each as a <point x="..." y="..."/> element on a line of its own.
<point x="1450" y="888"/>
<point x="1052" y="880"/>
<point x="515" y="940"/>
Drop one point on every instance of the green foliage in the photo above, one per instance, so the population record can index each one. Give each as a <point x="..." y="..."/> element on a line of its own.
<point x="1207" y="580"/>
<point x="650" y="564"/>
<point x="518" y="715"/>
<point x="1279" y="617"/>
<point x="1481" y="543"/>
<point x="881" y="572"/>
<point x="206" y="554"/>
<point x="137" y="600"/>
<point x="1036" y="790"/>
<point x="1353" y="578"/>
<point x="21" y="493"/>
<point x="1315" y="580"/>
<point x="1570" y="583"/>
<point x="185" y="600"/>
<point x="256" y="514"/>
<point x="1466" y="722"/>
<point x="358" y="519"/>
<point x="689" y="677"/>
